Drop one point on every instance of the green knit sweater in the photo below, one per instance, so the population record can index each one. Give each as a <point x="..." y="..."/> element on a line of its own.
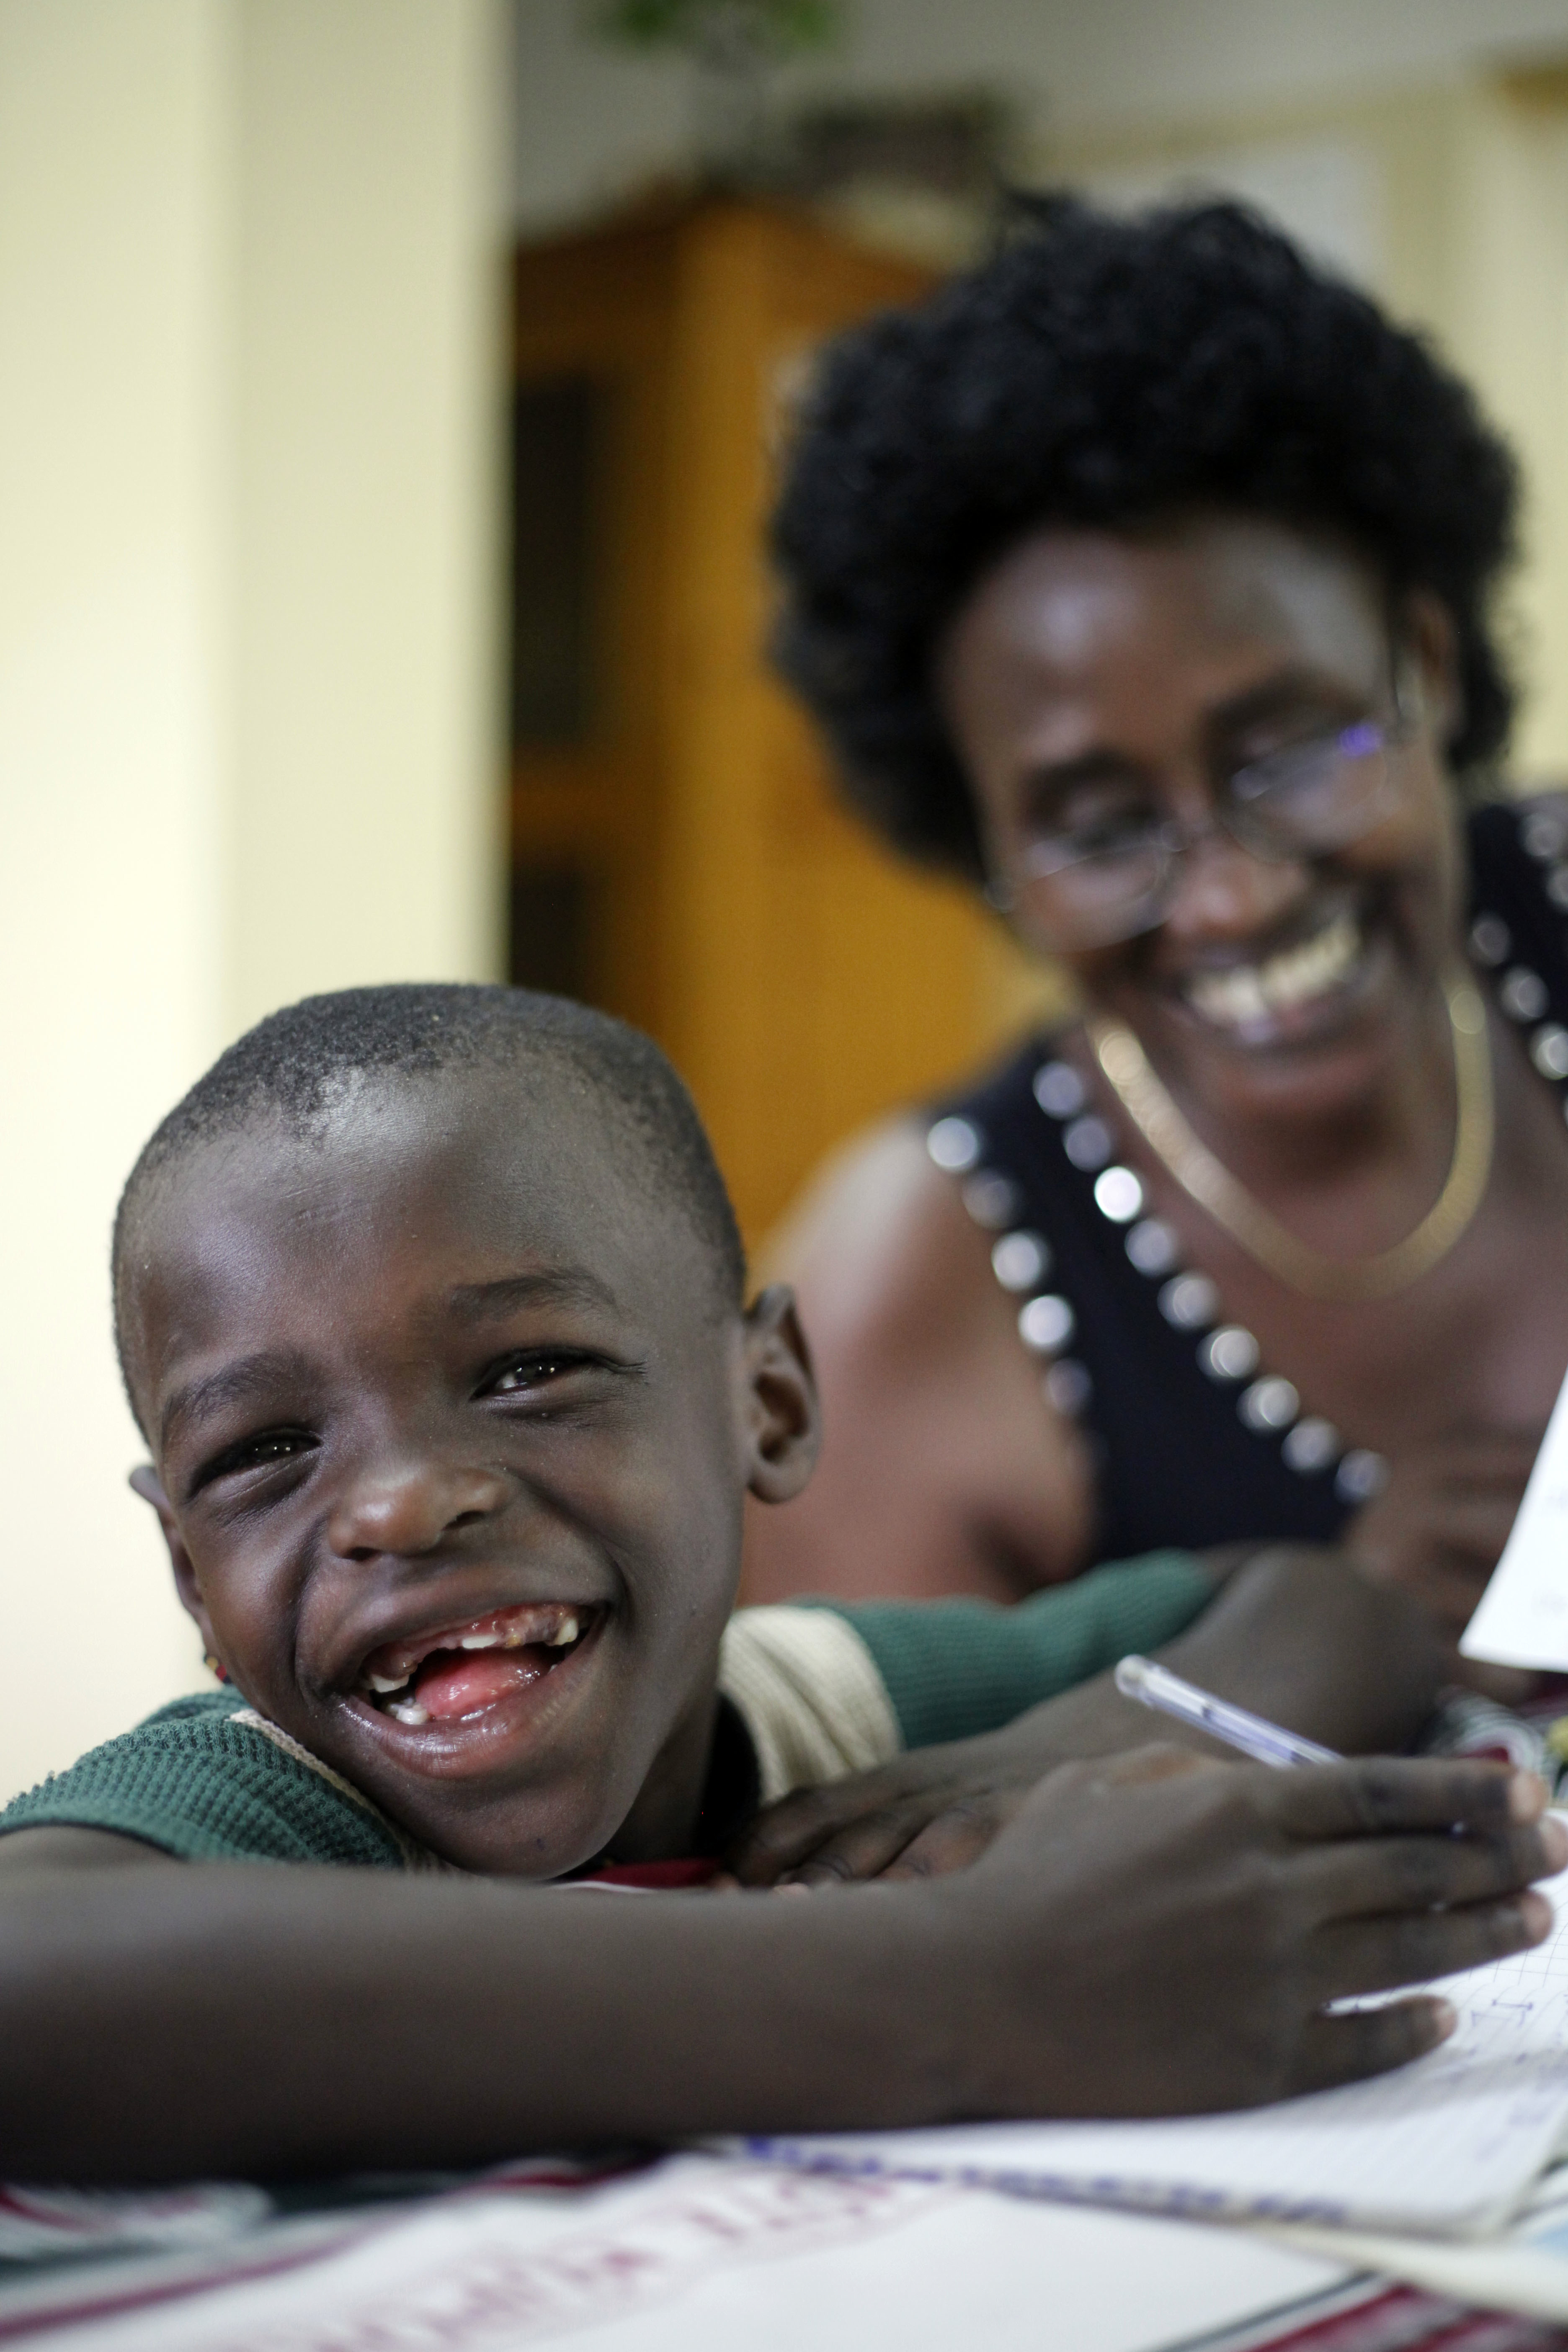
<point x="206" y="1780"/>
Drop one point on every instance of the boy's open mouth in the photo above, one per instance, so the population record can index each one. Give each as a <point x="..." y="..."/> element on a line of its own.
<point x="461" y="1670"/>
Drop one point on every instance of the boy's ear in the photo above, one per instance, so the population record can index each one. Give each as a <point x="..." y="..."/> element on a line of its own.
<point x="783" y="1420"/>
<point x="145" y="1482"/>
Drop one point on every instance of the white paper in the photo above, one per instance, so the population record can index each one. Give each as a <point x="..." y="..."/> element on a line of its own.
<point x="1523" y="1619"/>
<point x="1450" y="2145"/>
<point x="699" y="2255"/>
<point x="1525" y="2270"/>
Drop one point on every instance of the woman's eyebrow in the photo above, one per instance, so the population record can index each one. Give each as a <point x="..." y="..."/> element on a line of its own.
<point x="1296" y="683"/>
<point x="1052" y="778"/>
<point x="483" y="1302"/>
<point x="237" y="1383"/>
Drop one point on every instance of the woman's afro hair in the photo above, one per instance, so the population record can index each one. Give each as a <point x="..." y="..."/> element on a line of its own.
<point x="1102" y="372"/>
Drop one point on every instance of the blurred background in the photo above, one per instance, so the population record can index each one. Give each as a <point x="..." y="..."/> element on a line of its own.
<point x="389" y="396"/>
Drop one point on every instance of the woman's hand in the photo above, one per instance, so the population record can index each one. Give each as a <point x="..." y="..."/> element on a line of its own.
<point x="1438" y="1528"/>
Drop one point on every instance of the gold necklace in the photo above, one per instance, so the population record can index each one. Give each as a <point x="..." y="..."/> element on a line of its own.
<point x="1210" y="1184"/>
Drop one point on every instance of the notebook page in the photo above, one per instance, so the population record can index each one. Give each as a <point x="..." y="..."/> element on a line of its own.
<point x="1448" y="2146"/>
<point x="1522" y="1616"/>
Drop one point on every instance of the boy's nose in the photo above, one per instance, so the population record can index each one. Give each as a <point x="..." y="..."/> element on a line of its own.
<point x="409" y="1509"/>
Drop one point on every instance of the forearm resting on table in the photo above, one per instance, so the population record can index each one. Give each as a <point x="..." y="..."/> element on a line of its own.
<point x="183" y="2018"/>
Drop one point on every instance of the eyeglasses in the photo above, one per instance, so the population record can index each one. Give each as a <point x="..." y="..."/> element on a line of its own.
<point x="1090" y="885"/>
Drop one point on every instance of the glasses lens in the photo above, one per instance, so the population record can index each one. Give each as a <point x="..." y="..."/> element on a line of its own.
<point x="1080" y="897"/>
<point x="1314" y="796"/>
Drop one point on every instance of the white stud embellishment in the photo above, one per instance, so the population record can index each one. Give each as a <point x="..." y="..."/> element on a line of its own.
<point x="1543" y="836"/>
<point x="1020" y="1260"/>
<point x="953" y="1144"/>
<point x="1269" y="1403"/>
<point x="1523" y="994"/>
<point x="1311" y="1445"/>
<point x="1229" y="1354"/>
<point x="1490" y="940"/>
<point x="1361" y="1475"/>
<point x="1118" y="1195"/>
<point x="1086" y="1143"/>
<point x="1059" y="1090"/>
<point x="1549" y="1050"/>
<point x="1045" y="1324"/>
<point x="1069" y="1387"/>
<point x="1152" y="1246"/>
<point x="993" y="1200"/>
<point x="1189" y="1301"/>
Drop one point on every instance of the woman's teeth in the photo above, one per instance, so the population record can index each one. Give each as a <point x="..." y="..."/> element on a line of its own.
<point x="1250" y="994"/>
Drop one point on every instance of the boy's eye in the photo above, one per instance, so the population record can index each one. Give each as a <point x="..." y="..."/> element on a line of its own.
<point x="257" y="1452"/>
<point x="518" y="1373"/>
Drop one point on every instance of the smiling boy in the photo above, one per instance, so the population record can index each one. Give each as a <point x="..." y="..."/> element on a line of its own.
<point x="430" y="1307"/>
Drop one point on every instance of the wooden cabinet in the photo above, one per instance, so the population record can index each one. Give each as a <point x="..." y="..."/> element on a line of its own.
<point x="678" y="856"/>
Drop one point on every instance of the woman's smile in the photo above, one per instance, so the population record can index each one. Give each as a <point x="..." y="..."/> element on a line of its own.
<point x="1279" y="995"/>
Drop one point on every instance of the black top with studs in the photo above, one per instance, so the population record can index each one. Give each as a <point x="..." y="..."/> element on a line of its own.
<point x="1197" y="1442"/>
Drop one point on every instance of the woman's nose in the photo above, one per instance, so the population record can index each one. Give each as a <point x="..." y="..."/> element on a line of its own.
<point x="410" y="1508"/>
<point x="1223" y="891"/>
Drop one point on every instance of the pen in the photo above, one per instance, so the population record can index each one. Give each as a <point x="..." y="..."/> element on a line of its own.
<point x="1267" y="1743"/>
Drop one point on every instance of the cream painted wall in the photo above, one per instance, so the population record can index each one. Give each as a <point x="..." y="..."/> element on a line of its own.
<point x="249" y="313"/>
<point x="112" y="490"/>
<point x="367" y="840"/>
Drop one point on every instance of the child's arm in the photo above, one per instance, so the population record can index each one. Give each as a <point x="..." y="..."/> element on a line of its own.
<point x="1295" y="1634"/>
<point x="1124" y="1948"/>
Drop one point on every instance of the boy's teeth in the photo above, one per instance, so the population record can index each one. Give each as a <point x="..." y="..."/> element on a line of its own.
<point x="543" y="1625"/>
<point x="1249" y="993"/>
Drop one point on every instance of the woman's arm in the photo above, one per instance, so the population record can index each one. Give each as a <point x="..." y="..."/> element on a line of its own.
<point x="1296" y="1634"/>
<point x="943" y="1467"/>
<point x="1126" y="1947"/>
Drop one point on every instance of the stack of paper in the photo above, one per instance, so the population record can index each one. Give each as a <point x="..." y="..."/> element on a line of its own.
<point x="1449" y="2145"/>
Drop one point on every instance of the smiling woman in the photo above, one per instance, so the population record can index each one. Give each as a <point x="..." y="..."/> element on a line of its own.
<point x="1142" y="579"/>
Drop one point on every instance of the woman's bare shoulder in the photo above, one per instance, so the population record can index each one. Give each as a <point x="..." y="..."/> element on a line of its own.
<point x="879" y="1239"/>
<point x="944" y="1467"/>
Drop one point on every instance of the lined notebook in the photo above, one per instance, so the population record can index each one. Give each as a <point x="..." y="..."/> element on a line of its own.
<point x="1449" y="2145"/>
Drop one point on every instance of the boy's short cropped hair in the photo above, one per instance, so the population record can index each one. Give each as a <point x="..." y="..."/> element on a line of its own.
<point x="295" y="1066"/>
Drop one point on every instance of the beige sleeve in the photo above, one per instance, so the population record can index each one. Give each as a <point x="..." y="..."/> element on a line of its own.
<point x="808" y="1691"/>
